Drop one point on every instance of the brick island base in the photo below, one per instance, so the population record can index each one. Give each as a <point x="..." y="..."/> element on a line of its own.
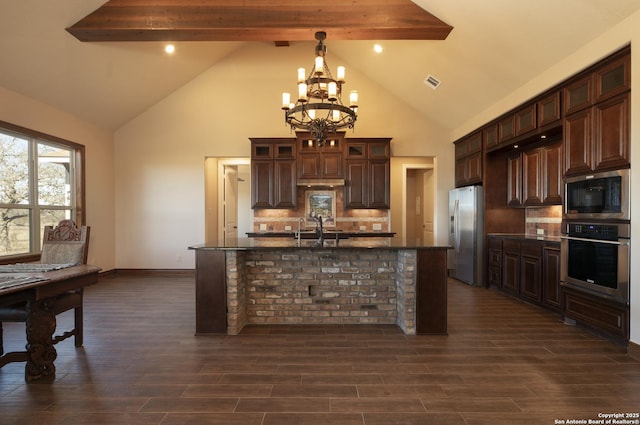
<point x="288" y="286"/>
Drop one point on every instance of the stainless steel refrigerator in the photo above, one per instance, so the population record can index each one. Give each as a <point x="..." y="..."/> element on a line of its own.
<point x="466" y="236"/>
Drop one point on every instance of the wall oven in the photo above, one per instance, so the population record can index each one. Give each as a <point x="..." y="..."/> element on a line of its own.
<point x="595" y="259"/>
<point x="601" y="196"/>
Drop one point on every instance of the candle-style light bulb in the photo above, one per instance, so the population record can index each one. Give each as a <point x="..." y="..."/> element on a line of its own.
<point x="286" y="100"/>
<point x="353" y="98"/>
<point x="301" y="75"/>
<point x="319" y="68"/>
<point x="332" y="91"/>
<point x="341" y="72"/>
<point x="302" y="92"/>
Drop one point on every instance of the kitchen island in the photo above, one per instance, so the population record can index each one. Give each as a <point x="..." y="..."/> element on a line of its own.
<point x="384" y="280"/>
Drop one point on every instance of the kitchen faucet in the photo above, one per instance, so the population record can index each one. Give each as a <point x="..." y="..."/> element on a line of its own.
<point x="300" y="223"/>
<point x="319" y="232"/>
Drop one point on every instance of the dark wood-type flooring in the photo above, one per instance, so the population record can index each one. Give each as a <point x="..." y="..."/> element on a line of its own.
<point x="503" y="362"/>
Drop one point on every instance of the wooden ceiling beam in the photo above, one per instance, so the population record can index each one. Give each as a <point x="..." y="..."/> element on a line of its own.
<point x="258" y="20"/>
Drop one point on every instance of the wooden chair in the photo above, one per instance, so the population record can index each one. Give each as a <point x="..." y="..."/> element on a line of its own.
<point x="64" y="244"/>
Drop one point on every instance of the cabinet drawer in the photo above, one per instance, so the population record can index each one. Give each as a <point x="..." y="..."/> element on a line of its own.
<point x="531" y="248"/>
<point x="511" y="245"/>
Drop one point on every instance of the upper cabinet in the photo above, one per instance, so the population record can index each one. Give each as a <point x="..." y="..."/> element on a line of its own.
<point x="367" y="173"/>
<point x="278" y="165"/>
<point x="535" y="176"/>
<point x="597" y="118"/>
<point x="273" y="173"/>
<point x="320" y="162"/>
<point x="468" y="151"/>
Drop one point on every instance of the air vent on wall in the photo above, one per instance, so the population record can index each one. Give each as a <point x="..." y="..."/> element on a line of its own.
<point x="432" y="82"/>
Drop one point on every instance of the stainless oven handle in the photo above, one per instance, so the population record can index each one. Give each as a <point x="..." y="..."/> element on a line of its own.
<point x="622" y="242"/>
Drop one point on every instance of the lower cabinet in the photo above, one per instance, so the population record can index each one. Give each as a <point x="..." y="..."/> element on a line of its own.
<point x="528" y="269"/>
<point x="604" y="316"/>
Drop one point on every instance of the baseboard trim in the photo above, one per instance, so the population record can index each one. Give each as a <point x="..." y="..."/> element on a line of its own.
<point x="633" y="350"/>
<point x="153" y="272"/>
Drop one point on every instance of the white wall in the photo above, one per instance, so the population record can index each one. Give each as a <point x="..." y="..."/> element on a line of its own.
<point x="160" y="155"/>
<point x="23" y="111"/>
<point x="622" y="34"/>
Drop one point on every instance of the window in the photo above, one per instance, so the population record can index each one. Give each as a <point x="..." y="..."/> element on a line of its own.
<point x="40" y="184"/>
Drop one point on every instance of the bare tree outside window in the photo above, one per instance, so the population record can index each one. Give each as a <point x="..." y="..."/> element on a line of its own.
<point x="36" y="189"/>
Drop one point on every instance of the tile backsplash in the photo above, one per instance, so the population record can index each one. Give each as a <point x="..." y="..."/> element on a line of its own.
<point x="351" y="220"/>
<point x="546" y="219"/>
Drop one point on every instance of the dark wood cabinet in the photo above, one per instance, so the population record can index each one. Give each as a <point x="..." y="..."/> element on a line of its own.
<point x="551" y="276"/>
<point x="494" y="273"/>
<point x="552" y="189"/>
<point x="273" y="173"/>
<point x="261" y="183"/>
<point x="528" y="269"/>
<point x="367" y="174"/>
<point x="355" y="190"/>
<point x="578" y="95"/>
<point x="604" y="316"/>
<point x="549" y="110"/>
<point x="320" y="162"/>
<point x="598" y="138"/>
<point x="535" y="176"/>
<point x="510" y="266"/>
<point x="532" y="177"/>
<point x="468" y="166"/>
<point x="525" y="119"/>
<point x="531" y="270"/>
<point x="514" y="179"/>
<point x="597" y="118"/>
<point x="506" y="129"/>
<point x="490" y="136"/>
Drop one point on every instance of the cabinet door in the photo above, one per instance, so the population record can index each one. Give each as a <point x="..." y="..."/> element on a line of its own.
<point x="332" y="167"/>
<point x="549" y="110"/>
<point x="514" y="180"/>
<point x="490" y="136"/>
<point x="531" y="270"/>
<point x="578" y="95"/>
<point x="526" y="119"/>
<point x="578" y="130"/>
<point x="551" y="277"/>
<point x="552" y="189"/>
<point x="510" y="271"/>
<point x="612" y="135"/>
<point x="474" y="168"/>
<point x="532" y="177"/>
<point x="614" y="78"/>
<point x="261" y="183"/>
<point x="285" y="190"/>
<point x="309" y="165"/>
<point x="461" y="172"/>
<point x="355" y="195"/>
<point x="379" y="184"/>
<point x="506" y="129"/>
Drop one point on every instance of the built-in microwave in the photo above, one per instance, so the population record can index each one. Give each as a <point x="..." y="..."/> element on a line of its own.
<point x="598" y="196"/>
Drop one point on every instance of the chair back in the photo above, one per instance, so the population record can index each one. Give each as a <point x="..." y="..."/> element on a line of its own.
<point x="65" y="244"/>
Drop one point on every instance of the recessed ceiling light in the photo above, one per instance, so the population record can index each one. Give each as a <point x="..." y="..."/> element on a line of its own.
<point x="377" y="48"/>
<point x="169" y="49"/>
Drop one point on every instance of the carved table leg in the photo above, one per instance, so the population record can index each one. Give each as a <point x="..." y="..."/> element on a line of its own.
<point x="41" y="324"/>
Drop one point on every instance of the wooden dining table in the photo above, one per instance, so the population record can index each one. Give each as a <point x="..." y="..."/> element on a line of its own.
<point x="39" y="289"/>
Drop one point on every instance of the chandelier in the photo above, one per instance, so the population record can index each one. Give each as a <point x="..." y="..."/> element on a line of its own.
<point x="319" y="108"/>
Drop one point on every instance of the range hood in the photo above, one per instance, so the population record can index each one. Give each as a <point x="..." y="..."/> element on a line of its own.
<point x="320" y="182"/>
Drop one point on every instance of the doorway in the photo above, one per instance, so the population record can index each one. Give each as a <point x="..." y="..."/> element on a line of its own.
<point x="228" y="212"/>
<point x="418" y="210"/>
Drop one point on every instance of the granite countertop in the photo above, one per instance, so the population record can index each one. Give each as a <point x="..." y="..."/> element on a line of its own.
<point x="289" y="242"/>
<point x="528" y="236"/>
<point x="328" y="234"/>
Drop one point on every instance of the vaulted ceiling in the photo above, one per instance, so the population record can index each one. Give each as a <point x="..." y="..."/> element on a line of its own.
<point x="495" y="46"/>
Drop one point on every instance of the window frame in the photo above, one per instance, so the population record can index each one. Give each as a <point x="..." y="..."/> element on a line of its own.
<point x="78" y="153"/>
